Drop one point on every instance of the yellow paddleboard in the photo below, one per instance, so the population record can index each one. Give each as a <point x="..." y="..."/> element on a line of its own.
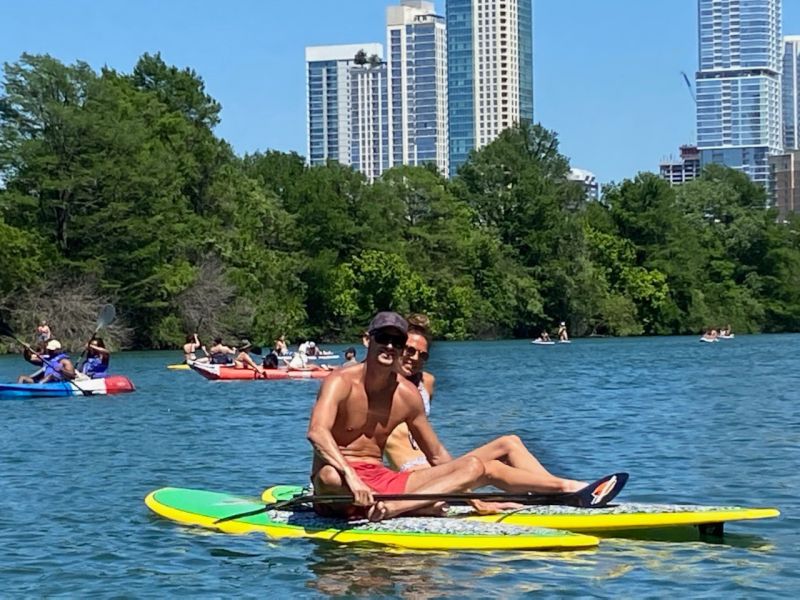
<point x="179" y="367"/>
<point x="610" y="521"/>
<point x="202" y="508"/>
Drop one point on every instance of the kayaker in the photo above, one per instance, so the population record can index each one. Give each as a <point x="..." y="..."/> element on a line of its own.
<point x="355" y="411"/>
<point x="280" y="346"/>
<point x="220" y="354"/>
<point x="562" y="332"/>
<point x="43" y="333"/>
<point x="57" y="366"/>
<point x="191" y="347"/>
<point x="97" y="359"/>
<point x="509" y="464"/>
<point x="350" y="357"/>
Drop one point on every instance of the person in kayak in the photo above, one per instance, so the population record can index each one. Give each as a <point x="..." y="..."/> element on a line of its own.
<point x="220" y="354"/>
<point x="509" y="464"/>
<point x="350" y="357"/>
<point x="191" y="347"/>
<point x="563" y="336"/>
<point x="57" y="365"/>
<point x="280" y="346"/>
<point x="97" y="359"/>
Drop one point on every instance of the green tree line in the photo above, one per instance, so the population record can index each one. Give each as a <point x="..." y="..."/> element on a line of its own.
<point x="119" y="180"/>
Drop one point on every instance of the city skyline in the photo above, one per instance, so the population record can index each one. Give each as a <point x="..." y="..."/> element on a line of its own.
<point x="606" y="82"/>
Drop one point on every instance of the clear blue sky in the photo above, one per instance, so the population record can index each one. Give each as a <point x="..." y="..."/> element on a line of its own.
<point x="606" y="72"/>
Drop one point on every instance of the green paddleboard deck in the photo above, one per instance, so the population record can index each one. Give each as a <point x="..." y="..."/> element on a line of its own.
<point x="203" y="508"/>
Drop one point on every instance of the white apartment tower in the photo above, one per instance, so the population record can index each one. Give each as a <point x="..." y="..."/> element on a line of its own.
<point x="417" y="97"/>
<point x="346" y="116"/>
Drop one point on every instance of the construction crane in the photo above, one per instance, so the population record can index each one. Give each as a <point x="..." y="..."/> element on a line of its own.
<point x="689" y="85"/>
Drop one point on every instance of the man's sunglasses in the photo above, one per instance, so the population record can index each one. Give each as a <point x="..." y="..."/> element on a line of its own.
<point x="384" y="338"/>
<point x="410" y="351"/>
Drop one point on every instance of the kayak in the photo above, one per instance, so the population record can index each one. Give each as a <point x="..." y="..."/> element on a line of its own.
<point x="224" y="372"/>
<point x="203" y="508"/>
<point x="320" y="357"/>
<point x="178" y="367"/>
<point x="114" y="384"/>
<point x="614" y="520"/>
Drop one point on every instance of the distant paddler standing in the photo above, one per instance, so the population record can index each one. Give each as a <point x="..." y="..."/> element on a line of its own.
<point x="562" y="332"/>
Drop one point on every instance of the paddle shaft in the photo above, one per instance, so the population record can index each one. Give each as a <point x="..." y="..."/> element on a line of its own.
<point x="540" y="499"/>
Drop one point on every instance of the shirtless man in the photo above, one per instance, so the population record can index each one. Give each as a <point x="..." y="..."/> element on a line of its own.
<point x="509" y="465"/>
<point x="356" y="410"/>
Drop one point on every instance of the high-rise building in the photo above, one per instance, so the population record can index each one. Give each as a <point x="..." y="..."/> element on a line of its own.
<point x="490" y="71"/>
<point x="791" y="92"/>
<point x="417" y="62"/>
<point x="738" y="84"/>
<point x="684" y="169"/>
<point x="588" y="180"/>
<point x="342" y="91"/>
<point x="785" y="182"/>
<point x="369" y="117"/>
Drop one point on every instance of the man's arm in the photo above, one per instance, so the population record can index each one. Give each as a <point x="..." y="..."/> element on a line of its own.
<point x="320" y="433"/>
<point x="423" y="433"/>
<point x="67" y="369"/>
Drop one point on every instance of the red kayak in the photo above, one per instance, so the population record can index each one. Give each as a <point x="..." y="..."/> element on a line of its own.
<point x="225" y="373"/>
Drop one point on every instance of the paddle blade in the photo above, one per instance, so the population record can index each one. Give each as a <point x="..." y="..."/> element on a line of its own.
<point x="106" y="316"/>
<point x="600" y="492"/>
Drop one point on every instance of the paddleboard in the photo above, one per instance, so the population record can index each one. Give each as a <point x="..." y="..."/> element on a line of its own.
<point x="709" y="340"/>
<point x="179" y="367"/>
<point x="541" y="343"/>
<point x="727" y="337"/>
<point x="203" y="508"/>
<point x="611" y="521"/>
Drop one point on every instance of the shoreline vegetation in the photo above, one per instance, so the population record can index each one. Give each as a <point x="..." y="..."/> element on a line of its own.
<point x="115" y="188"/>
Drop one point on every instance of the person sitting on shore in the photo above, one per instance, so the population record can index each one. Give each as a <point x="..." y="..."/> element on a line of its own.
<point x="356" y="411"/>
<point x="191" y="347"/>
<point x="57" y="365"/>
<point x="43" y="333"/>
<point x="97" y="360"/>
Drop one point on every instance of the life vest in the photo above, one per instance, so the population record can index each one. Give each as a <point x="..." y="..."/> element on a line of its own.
<point x="95" y="368"/>
<point x="53" y="366"/>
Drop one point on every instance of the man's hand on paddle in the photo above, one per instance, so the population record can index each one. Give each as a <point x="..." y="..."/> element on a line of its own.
<point x="490" y="508"/>
<point x="362" y="494"/>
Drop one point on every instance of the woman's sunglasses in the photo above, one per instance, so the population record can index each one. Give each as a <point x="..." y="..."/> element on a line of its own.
<point x="410" y="351"/>
<point x="385" y="338"/>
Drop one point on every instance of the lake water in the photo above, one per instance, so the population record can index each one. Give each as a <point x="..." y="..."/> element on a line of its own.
<point x="691" y="422"/>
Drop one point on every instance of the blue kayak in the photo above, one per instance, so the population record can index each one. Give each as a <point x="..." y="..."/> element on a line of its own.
<point x="115" y="384"/>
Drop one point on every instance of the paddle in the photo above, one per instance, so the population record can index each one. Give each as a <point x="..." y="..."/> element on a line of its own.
<point x="5" y="330"/>
<point x="107" y="315"/>
<point x="594" y="495"/>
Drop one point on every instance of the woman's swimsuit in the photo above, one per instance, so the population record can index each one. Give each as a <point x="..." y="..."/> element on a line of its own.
<point x="419" y="460"/>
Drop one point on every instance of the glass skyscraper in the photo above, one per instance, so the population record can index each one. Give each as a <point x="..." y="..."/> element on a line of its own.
<point x="791" y="93"/>
<point x="738" y="84"/>
<point x="347" y="120"/>
<point x="417" y="62"/>
<point x="490" y="71"/>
